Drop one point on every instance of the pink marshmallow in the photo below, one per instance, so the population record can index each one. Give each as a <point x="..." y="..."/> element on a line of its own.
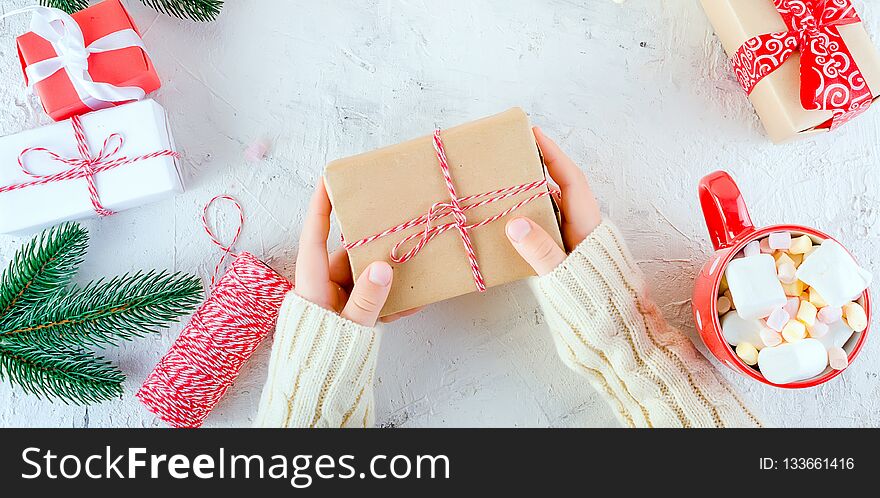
<point x="830" y="314"/>
<point x="837" y="358"/>
<point x="791" y="306"/>
<point x="257" y="150"/>
<point x="778" y="319"/>
<point x="779" y="240"/>
<point x="753" y="248"/>
<point x="765" y="246"/>
<point x="818" y="330"/>
<point x="771" y="338"/>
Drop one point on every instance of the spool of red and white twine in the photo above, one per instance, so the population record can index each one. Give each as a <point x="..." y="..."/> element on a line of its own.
<point x="202" y="364"/>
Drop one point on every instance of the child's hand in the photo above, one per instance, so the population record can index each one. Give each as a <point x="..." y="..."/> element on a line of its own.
<point x="326" y="280"/>
<point x="580" y="212"/>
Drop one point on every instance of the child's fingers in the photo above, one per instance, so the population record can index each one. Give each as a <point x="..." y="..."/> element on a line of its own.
<point x="580" y="210"/>
<point x="369" y="294"/>
<point x="340" y="268"/>
<point x="312" y="264"/>
<point x="535" y="245"/>
<point x="562" y="169"/>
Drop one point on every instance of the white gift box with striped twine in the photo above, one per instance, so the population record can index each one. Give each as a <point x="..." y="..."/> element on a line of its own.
<point x="91" y="165"/>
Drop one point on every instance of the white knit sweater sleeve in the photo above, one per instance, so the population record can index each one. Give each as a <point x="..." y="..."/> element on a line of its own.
<point x="320" y="370"/>
<point x="607" y="328"/>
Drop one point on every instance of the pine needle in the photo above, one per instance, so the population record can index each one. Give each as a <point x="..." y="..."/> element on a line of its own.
<point x="69" y="6"/>
<point x="68" y="374"/>
<point x="41" y="268"/>
<point x="197" y="10"/>
<point x="106" y="312"/>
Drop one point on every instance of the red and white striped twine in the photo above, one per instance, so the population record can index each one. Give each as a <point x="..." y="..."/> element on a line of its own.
<point x="456" y="207"/>
<point x="85" y="166"/>
<point x="205" y="360"/>
<point x="226" y="248"/>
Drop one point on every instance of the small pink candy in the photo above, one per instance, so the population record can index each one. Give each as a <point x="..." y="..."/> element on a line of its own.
<point x="818" y="330"/>
<point x="778" y="319"/>
<point x="771" y="338"/>
<point x="780" y="240"/>
<point x="787" y="273"/>
<point x="753" y="248"/>
<point x="791" y="306"/>
<point x="765" y="246"/>
<point x="257" y="150"/>
<point x="830" y="314"/>
<point x="837" y="358"/>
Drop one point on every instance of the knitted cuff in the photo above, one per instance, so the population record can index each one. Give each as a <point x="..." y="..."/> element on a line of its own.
<point x="607" y="327"/>
<point x="320" y="371"/>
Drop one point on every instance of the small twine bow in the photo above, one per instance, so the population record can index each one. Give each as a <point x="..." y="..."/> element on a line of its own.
<point x="455" y="207"/>
<point x="85" y="166"/>
<point x="226" y="248"/>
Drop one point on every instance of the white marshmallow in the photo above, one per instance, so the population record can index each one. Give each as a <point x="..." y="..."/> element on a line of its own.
<point x="838" y="335"/>
<point x="792" y="362"/>
<point x="737" y="330"/>
<point x="779" y="240"/>
<point x="754" y="287"/>
<point x="834" y="274"/>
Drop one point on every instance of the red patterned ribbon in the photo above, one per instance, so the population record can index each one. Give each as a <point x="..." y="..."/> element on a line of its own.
<point x="830" y="78"/>
<point x="456" y="207"/>
<point x="85" y="166"/>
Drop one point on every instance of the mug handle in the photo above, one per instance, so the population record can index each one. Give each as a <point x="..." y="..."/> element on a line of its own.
<point x="724" y="210"/>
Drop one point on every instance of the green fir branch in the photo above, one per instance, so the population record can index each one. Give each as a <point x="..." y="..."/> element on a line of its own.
<point x="197" y="10"/>
<point x="69" y="374"/>
<point x="41" y="268"/>
<point x="46" y="324"/>
<point x="69" y="6"/>
<point x="106" y="312"/>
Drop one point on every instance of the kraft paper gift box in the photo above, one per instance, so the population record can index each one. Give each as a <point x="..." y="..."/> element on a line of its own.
<point x="111" y="26"/>
<point x="143" y="128"/>
<point x="375" y="191"/>
<point x="776" y="98"/>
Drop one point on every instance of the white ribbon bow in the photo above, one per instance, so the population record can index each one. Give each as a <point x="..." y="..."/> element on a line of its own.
<point x="66" y="37"/>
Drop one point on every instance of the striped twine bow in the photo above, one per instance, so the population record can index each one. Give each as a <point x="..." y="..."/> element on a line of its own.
<point x="226" y="248"/>
<point x="456" y="207"/>
<point x="85" y="166"/>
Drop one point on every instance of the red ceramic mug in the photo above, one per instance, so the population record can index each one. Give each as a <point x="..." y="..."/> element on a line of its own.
<point x="730" y="229"/>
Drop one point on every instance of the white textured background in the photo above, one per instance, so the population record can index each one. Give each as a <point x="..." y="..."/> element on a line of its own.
<point x="638" y="93"/>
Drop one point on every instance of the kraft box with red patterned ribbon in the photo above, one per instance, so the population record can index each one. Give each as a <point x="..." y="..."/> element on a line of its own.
<point x="90" y="165"/>
<point x="91" y="60"/>
<point x="435" y="208"/>
<point x="808" y="66"/>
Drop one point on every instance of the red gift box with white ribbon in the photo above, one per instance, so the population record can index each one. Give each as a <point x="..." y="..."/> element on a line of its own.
<point x="91" y="60"/>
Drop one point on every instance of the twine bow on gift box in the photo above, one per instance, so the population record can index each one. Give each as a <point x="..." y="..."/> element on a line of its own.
<point x="830" y="78"/>
<point x="456" y="207"/>
<point x="85" y="166"/>
<point x="61" y="30"/>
